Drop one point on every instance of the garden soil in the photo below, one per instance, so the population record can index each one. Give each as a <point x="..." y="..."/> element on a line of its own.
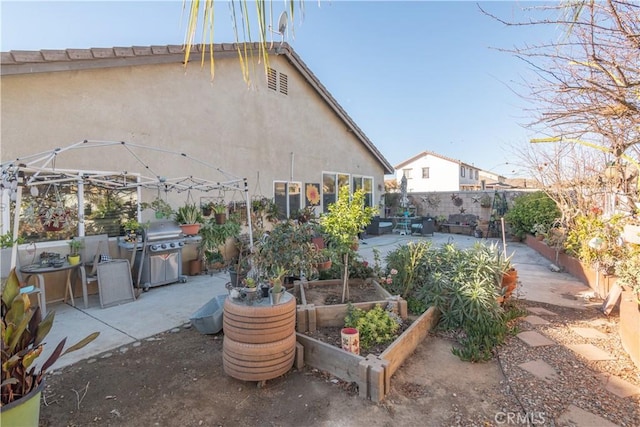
<point x="177" y="379"/>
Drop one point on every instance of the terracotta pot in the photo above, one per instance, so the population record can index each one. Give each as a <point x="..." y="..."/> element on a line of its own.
<point x="190" y="229"/>
<point x="509" y="282"/>
<point x="324" y="265"/>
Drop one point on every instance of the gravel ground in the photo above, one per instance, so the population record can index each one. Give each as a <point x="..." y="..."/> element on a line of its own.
<point x="578" y="381"/>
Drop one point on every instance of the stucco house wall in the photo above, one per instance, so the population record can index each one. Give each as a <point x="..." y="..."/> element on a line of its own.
<point x="247" y="131"/>
<point x="146" y="96"/>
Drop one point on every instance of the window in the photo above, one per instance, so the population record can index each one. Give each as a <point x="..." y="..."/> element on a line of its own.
<point x="328" y="190"/>
<point x="406" y="173"/>
<point x="425" y="173"/>
<point x="365" y="184"/>
<point x="287" y="198"/>
<point x="462" y="171"/>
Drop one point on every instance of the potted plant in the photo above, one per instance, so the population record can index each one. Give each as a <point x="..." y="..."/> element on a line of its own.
<point x="220" y="212"/>
<point x="54" y="218"/>
<point x="131" y="228"/>
<point x="23" y="336"/>
<point x="74" y="251"/>
<point x="277" y="284"/>
<point x="190" y="218"/>
<point x="162" y="208"/>
<point x="214" y="236"/>
<point x="287" y="246"/>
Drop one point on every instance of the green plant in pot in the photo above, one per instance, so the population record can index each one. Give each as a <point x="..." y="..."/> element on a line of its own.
<point x="220" y="212"/>
<point x="289" y="246"/>
<point x="162" y="208"/>
<point x="23" y="335"/>
<point x="190" y="218"/>
<point x="277" y="284"/>
<point x="215" y="235"/>
<point x="74" y="251"/>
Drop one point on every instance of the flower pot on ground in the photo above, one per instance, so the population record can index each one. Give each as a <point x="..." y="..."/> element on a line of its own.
<point x="23" y="338"/>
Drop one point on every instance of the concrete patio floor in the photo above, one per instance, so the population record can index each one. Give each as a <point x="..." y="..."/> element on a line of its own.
<point x="166" y="307"/>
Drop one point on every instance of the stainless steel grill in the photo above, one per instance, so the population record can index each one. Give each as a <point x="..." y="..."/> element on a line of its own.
<point x="162" y="254"/>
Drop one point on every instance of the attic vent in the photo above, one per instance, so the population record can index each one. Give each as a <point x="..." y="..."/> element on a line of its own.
<point x="272" y="80"/>
<point x="284" y="85"/>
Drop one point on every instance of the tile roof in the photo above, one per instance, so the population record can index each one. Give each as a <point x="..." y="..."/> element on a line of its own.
<point x="28" y="62"/>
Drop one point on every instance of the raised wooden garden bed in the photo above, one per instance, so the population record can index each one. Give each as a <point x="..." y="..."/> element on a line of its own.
<point x="310" y="315"/>
<point x="372" y="373"/>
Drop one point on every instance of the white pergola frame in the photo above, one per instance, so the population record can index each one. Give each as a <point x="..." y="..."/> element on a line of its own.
<point x="40" y="169"/>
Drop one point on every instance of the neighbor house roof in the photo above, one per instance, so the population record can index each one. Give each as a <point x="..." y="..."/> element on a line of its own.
<point x="44" y="61"/>
<point x="431" y="153"/>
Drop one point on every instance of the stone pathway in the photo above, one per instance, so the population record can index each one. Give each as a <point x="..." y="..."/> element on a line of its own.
<point x="573" y="415"/>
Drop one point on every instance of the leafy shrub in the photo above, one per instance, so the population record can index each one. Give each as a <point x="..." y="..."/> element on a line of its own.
<point x="584" y="229"/>
<point x="410" y="262"/>
<point x="531" y="209"/>
<point x="463" y="284"/>
<point x="376" y="326"/>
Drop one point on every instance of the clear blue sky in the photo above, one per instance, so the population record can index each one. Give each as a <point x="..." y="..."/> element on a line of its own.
<point x="413" y="75"/>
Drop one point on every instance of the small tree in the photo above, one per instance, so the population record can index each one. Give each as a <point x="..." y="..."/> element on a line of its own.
<point x="345" y="220"/>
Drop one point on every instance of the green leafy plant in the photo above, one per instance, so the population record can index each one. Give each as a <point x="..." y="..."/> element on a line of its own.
<point x="376" y="326"/>
<point x="190" y="213"/>
<point x="276" y="280"/>
<point x="530" y="209"/>
<point x="593" y="240"/>
<point x="6" y="240"/>
<point x="408" y="261"/>
<point x="345" y="220"/>
<point x="162" y="208"/>
<point x="219" y="208"/>
<point x="628" y="270"/>
<point x="75" y="246"/>
<point x="23" y="336"/>
<point x="249" y="282"/>
<point x="288" y="246"/>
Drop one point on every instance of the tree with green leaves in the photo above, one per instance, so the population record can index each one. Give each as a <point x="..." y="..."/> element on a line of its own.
<point x="346" y="219"/>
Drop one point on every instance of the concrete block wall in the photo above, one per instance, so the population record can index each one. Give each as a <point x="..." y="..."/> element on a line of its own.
<point x="444" y="202"/>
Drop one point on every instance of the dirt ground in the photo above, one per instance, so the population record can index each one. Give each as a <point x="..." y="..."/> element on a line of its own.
<point x="176" y="378"/>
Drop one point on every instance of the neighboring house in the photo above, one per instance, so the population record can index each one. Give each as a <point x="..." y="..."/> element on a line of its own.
<point x="428" y="171"/>
<point x="283" y="133"/>
<point x="492" y="181"/>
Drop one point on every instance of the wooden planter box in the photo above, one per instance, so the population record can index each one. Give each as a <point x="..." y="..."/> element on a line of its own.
<point x="630" y="325"/>
<point x="309" y="317"/>
<point x="586" y="274"/>
<point x="371" y="373"/>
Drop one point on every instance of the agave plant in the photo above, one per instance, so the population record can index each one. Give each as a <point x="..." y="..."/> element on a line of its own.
<point x="23" y="334"/>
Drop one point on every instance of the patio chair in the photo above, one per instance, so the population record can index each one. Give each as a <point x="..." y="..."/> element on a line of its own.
<point x="95" y="256"/>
